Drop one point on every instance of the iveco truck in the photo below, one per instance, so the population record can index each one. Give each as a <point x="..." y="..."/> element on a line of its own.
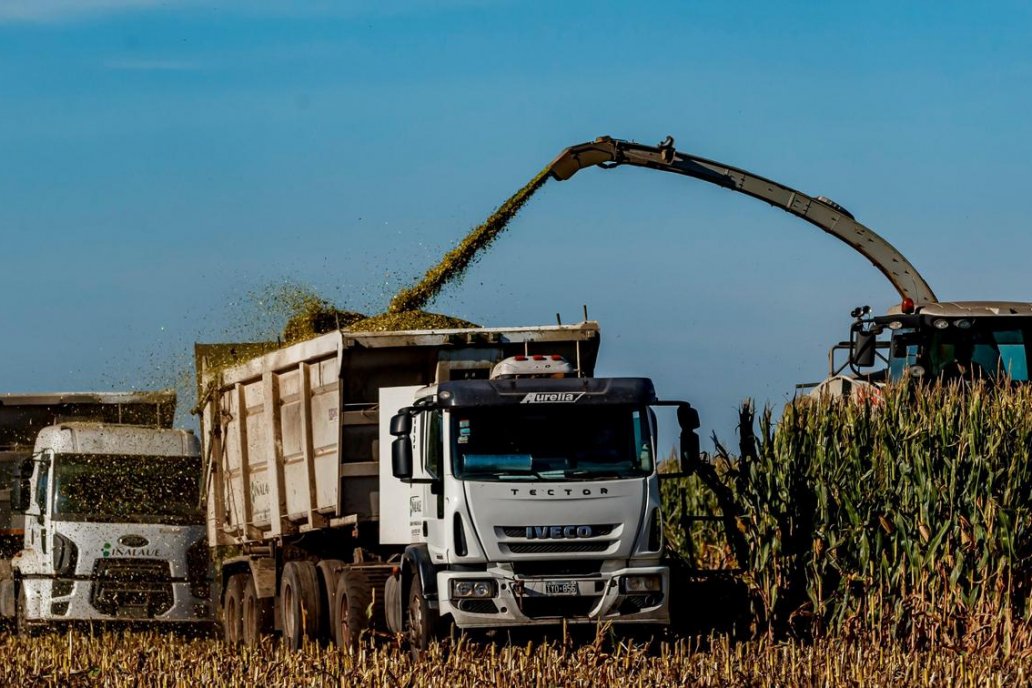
<point x="112" y="526"/>
<point x="407" y="481"/>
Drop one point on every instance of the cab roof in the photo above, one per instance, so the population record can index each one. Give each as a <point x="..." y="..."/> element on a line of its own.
<point x="969" y="309"/>
<point x="566" y="391"/>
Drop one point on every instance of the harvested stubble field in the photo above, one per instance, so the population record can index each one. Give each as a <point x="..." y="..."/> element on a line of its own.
<point x="75" y="659"/>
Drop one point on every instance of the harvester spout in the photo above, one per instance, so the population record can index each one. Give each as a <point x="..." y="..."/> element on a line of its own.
<point x="607" y="152"/>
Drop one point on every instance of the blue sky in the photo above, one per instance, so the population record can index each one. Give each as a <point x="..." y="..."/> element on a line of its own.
<point x="166" y="165"/>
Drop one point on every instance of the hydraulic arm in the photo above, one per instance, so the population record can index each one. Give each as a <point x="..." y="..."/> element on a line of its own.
<point x="606" y="152"/>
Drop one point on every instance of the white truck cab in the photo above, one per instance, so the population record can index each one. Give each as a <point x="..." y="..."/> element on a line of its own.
<point x="113" y="528"/>
<point x="526" y="502"/>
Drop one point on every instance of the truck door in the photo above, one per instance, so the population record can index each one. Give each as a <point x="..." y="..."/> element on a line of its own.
<point x="37" y="517"/>
<point x="431" y="445"/>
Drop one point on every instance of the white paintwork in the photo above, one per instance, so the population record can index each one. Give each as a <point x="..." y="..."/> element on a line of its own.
<point x="397" y="526"/>
<point x="99" y="438"/>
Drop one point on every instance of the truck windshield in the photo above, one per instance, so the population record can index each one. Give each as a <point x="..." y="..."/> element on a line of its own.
<point x="109" y="488"/>
<point x="551" y="442"/>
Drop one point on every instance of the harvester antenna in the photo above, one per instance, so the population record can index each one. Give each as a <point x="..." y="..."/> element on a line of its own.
<point x="585" y="312"/>
<point x="558" y="320"/>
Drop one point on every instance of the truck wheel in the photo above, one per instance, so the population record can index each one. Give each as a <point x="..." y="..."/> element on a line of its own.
<point x="421" y="621"/>
<point x="231" y="608"/>
<point x="392" y="605"/>
<point x="328" y="577"/>
<point x="256" y="614"/>
<point x="351" y="602"/>
<point x="21" y="624"/>
<point x="299" y="603"/>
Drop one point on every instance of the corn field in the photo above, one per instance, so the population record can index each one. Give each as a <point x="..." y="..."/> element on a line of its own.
<point x="891" y="539"/>
<point x="908" y="518"/>
<point x="74" y="659"/>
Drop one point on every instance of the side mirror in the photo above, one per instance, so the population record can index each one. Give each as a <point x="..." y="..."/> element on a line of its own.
<point x="21" y="488"/>
<point x="401" y="423"/>
<point x="861" y="354"/>
<point x="20" y="495"/>
<point x="401" y="455"/>
<point x="688" y="419"/>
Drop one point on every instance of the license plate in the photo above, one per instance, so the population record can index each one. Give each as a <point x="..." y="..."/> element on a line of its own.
<point x="131" y="612"/>
<point x="561" y="588"/>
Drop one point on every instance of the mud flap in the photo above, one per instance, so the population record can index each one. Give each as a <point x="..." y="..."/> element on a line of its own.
<point x="7" y="598"/>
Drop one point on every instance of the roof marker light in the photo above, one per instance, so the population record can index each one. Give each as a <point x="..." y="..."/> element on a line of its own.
<point x="907" y="306"/>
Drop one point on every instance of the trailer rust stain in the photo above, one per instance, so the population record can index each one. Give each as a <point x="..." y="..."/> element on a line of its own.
<point x="457" y="261"/>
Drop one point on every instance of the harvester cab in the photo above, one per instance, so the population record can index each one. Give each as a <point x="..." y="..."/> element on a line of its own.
<point x="948" y="341"/>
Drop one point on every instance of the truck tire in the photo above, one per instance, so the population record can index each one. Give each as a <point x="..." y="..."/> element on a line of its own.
<point x="232" y="615"/>
<point x="299" y="603"/>
<point x="351" y="602"/>
<point x="421" y="622"/>
<point x="328" y="575"/>
<point x="256" y="615"/>
<point x="393" y="609"/>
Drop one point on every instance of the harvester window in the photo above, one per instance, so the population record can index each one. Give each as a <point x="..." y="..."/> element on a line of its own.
<point x="903" y="352"/>
<point x="994" y="352"/>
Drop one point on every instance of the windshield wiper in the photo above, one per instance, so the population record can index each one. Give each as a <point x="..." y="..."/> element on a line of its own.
<point x="605" y="473"/>
<point x="500" y="473"/>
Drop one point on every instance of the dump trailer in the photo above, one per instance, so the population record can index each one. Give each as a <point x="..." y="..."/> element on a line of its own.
<point x="105" y="501"/>
<point x="401" y="482"/>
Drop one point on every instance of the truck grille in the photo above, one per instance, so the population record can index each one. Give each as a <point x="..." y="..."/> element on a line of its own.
<point x="140" y="588"/>
<point x="552" y="567"/>
<point x="521" y="531"/>
<point x="565" y="607"/>
<point x="555" y="547"/>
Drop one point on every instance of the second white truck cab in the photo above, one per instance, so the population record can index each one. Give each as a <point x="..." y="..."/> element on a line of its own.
<point x="113" y="528"/>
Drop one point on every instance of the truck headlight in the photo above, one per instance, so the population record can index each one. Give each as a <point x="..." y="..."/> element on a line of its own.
<point x="641" y="584"/>
<point x="472" y="588"/>
<point x="66" y="556"/>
